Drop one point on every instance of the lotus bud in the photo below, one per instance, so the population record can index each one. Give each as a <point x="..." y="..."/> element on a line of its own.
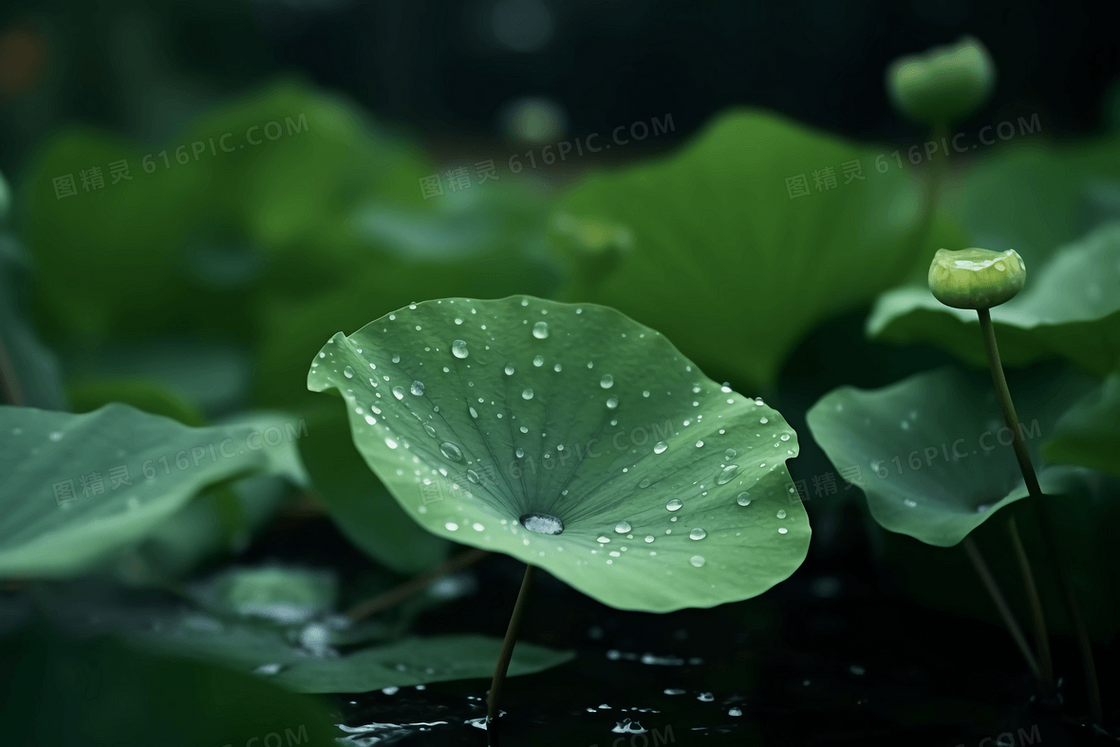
<point x="976" y="278"/>
<point x="945" y="85"/>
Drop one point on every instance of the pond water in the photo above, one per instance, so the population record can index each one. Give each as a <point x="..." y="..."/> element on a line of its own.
<point x="835" y="655"/>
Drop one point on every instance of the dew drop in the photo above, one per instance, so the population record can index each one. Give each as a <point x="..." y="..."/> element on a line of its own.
<point x="540" y="330"/>
<point x="697" y="534"/>
<point x="673" y="505"/>
<point x="348" y="372"/>
<point x="527" y="394"/>
<point x="607" y="381"/>
<point x="459" y="349"/>
<point x="649" y="538"/>
<point x="474" y="412"/>
<point x="659" y="447"/>
<point x="730" y="453"/>
<point x="538" y="361"/>
<point x="781" y="513"/>
<point x="417" y="388"/>
<point x="396" y="359"/>
<point x="398" y="392"/>
<point x="612" y="403"/>
<point x="472" y="476"/>
<point x="644" y="483"/>
<point x="542" y="523"/>
<point x="727" y="474"/>
<point x="451" y="526"/>
<point x="390" y="442"/>
<point x="744" y="499"/>
<point x="699" y="444"/>
<point x="622" y="527"/>
<point x="509" y="369"/>
<point x="371" y="420"/>
<point x="451" y="451"/>
<point x="696" y="560"/>
<point x="519" y="452"/>
<point x="603" y="540"/>
<point x="523" y="429"/>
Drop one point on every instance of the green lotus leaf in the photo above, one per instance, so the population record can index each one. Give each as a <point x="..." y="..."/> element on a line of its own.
<point x="35" y="378"/>
<point x="278" y="622"/>
<point x="323" y="669"/>
<point x="149" y="395"/>
<point x="1083" y="524"/>
<point x="1059" y="210"/>
<point x="416" y="661"/>
<point x="932" y="453"/>
<point x="213" y="375"/>
<point x="361" y="507"/>
<point x="318" y="156"/>
<point x="577" y="440"/>
<point x="78" y="487"/>
<point x="107" y="254"/>
<point x="103" y="693"/>
<point x="160" y="247"/>
<point x="219" y="522"/>
<point x="1070" y="308"/>
<point x="1088" y="434"/>
<point x="741" y="243"/>
<point x="487" y="244"/>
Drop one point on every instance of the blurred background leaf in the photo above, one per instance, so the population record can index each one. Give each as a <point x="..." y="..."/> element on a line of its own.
<point x="730" y="261"/>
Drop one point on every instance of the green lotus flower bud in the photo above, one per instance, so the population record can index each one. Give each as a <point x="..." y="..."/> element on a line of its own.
<point x="943" y="86"/>
<point x="976" y="278"/>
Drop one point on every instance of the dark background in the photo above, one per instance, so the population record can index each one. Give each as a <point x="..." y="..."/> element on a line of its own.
<point x="442" y="70"/>
<point x="881" y="668"/>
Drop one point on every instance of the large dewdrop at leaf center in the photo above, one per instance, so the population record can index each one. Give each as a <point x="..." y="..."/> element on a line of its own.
<point x="577" y="440"/>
